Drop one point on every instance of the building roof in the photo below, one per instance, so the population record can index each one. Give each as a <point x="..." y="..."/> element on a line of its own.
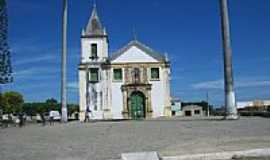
<point x="143" y="47"/>
<point x="94" y="26"/>
<point x="192" y="106"/>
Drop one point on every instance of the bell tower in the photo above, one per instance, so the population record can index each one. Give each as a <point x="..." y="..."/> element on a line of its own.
<point x="94" y="40"/>
<point x="92" y="75"/>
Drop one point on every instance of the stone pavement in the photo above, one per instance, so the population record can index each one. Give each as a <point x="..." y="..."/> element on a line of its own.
<point x="107" y="140"/>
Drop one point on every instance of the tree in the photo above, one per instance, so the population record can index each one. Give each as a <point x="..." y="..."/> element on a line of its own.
<point x="72" y="108"/>
<point x="29" y="109"/>
<point x="3" y="103"/>
<point x="13" y="102"/>
<point x="5" y="64"/>
<point x="40" y="107"/>
<point x="51" y="104"/>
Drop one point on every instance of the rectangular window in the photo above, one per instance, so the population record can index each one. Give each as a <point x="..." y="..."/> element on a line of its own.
<point x="155" y="73"/>
<point x="94" y="75"/>
<point x="117" y="74"/>
<point x="93" y="50"/>
<point x="197" y="112"/>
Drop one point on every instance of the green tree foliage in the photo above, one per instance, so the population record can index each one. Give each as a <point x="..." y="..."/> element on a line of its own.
<point x="2" y="101"/>
<point x="12" y="102"/>
<point x="48" y="105"/>
<point x="72" y="108"/>
<point x="52" y="104"/>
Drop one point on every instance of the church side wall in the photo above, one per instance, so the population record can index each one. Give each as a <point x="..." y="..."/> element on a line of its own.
<point x="167" y="95"/>
<point x="157" y="95"/>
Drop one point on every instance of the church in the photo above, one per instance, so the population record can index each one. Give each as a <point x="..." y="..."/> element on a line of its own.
<point x="132" y="83"/>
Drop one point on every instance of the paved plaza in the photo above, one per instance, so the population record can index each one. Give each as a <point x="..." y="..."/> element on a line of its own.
<point x="107" y="140"/>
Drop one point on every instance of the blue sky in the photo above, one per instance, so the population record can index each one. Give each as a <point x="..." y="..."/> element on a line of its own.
<point x="188" y="30"/>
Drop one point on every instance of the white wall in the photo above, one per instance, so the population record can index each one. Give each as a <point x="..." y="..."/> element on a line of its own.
<point x="157" y="95"/>
<point x="82" y="92"/>
<point x="134" y="54"/>
<point x="157" y="99"/>
<point x="96" y="114"/>
<point x="117" y="100"/>
<point x="102" y="48"/>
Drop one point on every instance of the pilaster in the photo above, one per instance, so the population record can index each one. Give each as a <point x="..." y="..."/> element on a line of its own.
<point x="82" y="92"/>
<point x="166" y="81"/>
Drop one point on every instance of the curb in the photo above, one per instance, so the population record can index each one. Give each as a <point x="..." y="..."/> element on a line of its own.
<point x="264" y="152"/>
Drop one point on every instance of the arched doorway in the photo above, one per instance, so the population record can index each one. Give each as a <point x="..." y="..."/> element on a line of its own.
<point x="137" y="105"/>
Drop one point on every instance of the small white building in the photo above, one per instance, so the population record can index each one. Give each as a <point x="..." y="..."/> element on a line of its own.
<point x="132" y="83"/>
<point x="193" y="111"/>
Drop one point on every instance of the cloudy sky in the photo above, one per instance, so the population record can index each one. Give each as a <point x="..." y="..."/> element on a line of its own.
<point x="188" y="30"/>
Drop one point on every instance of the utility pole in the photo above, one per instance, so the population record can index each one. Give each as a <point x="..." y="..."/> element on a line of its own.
<point x="208" y="107"/>
<point x="230" y="102"/>
<point x="64" y="63"/>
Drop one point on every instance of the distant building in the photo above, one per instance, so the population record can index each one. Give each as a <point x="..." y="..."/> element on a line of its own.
<point x="258" y="105"/>
<point x="241" y="105"/>
<point x="193" y="111"/>
<point x="180" y="108"/>
<point x="176" y="107"/>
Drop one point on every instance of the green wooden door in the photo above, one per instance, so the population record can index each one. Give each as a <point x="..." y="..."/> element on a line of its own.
<point x="137" y="105"/>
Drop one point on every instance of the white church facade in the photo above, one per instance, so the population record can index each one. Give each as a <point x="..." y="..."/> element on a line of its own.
<point x="132" y="83"/>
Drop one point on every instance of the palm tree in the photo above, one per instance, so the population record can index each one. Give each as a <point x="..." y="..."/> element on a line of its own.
<point x="64" y="62"/>
<point x="5" y="63"/>
<point x="230" y="103"/>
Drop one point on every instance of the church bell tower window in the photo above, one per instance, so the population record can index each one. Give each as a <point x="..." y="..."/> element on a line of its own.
<point x="93" y="51"/>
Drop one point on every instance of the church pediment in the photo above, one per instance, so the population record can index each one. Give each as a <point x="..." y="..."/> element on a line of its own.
<point x="136" y="52"/>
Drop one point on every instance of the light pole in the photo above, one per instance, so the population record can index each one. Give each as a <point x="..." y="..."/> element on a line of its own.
<point x="230" y="102"/>
<point x="64" y="62"/>
<point x="208" y="107"/>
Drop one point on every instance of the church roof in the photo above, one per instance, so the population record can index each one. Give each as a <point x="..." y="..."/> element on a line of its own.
<point x="146" y="49"/>
<point x="94" y="26"/>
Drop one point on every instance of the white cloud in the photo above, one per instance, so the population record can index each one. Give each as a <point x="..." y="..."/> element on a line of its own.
<point x="216" y="84"/>
<point x="26" y="72"/>
<point x="35" y="59"/>
<point x="176" y="77"/>
<point x="33" y="72"/>
<point x="239" y="83"/>
<point x="73" y="85"/>
<point x="252" y="83"/>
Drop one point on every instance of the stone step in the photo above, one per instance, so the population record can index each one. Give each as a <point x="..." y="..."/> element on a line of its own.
<point x="140" y="156"/>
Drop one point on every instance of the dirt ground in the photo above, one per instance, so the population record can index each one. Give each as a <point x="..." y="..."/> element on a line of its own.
<point x="107" y="140"/>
